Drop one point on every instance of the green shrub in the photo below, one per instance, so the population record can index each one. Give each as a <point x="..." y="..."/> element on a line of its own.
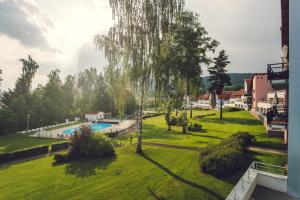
<point x="85" y="143"/>
<point x="228" y="156"/>
<point x="231" y="109"/>
<point x="97" y="146"/>
<point x="223" y="161"/>
<point x="180" y="120"/>
<point x="205" y="115"/>
<point x="61" y="157"/>
<point x="111" y="134"/>
<point x="173" y="121"/>
<point x="24" y="153"/>
<point x="59" y="146"/>
<point x="5" y="157"/>
<point x="194" y="127"/>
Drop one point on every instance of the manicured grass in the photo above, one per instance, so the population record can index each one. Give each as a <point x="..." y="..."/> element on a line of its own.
<point x="162" y="173"/>
<point x="15" y="142"/>
<point x="155" y="129"/>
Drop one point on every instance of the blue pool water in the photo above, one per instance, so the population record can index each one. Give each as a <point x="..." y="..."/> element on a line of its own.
<point x="95" y="127"/>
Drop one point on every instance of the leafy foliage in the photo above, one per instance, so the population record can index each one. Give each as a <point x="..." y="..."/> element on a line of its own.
<point x="194" y="127"/>
<point x="228" y="156"/>
<point x="57" y="100"/>
<point x="85" y="143"/>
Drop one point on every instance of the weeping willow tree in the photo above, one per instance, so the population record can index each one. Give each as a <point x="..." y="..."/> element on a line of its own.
<point x="140" y="27"/>
<point x="117" y="85"/>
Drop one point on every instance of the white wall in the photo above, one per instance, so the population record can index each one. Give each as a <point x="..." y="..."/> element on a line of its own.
<point x="272" y="181"/>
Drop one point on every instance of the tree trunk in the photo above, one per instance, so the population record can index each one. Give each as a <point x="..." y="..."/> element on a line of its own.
<point x="140" y="119"/>
<point x="169" y="128"/>
<point x="221" y="110"/>
<point x="184" y="113"/>
<point x="191" y="112"/>
<point x="176" y="112"/>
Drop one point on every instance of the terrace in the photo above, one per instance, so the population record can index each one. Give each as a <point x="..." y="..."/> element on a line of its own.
<point x="260" y="181"/>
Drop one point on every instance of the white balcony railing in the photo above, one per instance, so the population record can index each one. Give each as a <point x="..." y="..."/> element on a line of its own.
<point x="246" y="184"/>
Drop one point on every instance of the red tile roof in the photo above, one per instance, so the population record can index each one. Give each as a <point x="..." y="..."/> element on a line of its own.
<point x="225" y="95"/>
<point x="203" y="97"/>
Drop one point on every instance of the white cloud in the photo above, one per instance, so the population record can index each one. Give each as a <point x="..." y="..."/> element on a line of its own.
<point x="249" y="30"/>
<point x="24" y="21"/>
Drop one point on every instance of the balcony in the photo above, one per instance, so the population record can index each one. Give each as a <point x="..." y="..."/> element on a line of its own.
<point x="278" y="71"/>
<point x="278" y="75"/>
<point x="277" y="116"/>
<point x="259" y="175"/>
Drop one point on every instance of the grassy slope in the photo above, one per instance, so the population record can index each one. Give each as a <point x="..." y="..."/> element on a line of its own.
<point x="161" y="174"/>
<point x="14" y="142"/>
<point x="214" y="129"/>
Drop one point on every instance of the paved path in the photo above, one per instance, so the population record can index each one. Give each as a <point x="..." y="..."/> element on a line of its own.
<point x="251" y="148"/>
<point x="268" y="150"/>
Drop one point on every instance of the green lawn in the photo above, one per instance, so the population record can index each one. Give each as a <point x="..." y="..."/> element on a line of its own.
<point x="162" y="173"/>
<point x="155" y="129"/>
<point x="14" y="142"/>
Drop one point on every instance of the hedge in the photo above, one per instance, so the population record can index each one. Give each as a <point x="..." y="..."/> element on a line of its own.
<point x="24" y="153"/>
<point x="232" y="109"/>
<point x="194" y="127"/>
<point x="226" y="157"/>
<point x="59" y="146"/>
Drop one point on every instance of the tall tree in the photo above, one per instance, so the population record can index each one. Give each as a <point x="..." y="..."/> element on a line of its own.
<point x="218" y="77"/>
<point x="140" y="26"/>
<point x="190" y="49"/>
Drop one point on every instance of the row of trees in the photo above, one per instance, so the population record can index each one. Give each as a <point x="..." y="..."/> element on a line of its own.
<point x="160" y="43"/>
<point x="58" y="100"/>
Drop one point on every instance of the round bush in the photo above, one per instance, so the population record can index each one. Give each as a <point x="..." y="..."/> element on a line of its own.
<point x="173" y="121"/>
<point x="195" y="127"/>
<point x="85" y="143"/>
<point x="97" y="145"/>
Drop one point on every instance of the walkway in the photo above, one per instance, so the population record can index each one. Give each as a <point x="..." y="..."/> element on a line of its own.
<point x="251" y="148"/>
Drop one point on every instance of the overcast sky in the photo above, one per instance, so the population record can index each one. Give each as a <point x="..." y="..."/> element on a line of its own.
<point x="59" y="33"/>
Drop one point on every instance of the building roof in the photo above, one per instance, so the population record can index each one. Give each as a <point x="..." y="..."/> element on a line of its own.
<point x="93" y="113"/>
<point x="203" y="97"/>
<point x="225" y="95"/>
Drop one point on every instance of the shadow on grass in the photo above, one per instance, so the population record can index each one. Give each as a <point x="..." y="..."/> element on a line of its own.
<point x="206" y="136"/>
<point x="156" y="132"/>
<point x="181" y="179"/>
<point x="230" y="120"/>
<point x="155" y="196"/>
<point x="85" y="167"/>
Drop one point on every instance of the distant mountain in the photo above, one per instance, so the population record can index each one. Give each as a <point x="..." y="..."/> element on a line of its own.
<point x="237" y="80"/>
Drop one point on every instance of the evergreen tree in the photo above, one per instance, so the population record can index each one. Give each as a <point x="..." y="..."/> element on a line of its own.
<point x="218" y="77"/>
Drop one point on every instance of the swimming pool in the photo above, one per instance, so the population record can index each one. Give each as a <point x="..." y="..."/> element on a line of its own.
<point x="94" y="126"/>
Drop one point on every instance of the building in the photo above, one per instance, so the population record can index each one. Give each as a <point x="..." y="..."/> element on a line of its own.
<point x="94" y="116"/>
<point x="229" y="98"/>
<point x="203" y="102"/>
<point x="260" y="87"/>
<point x="281" y="181"/>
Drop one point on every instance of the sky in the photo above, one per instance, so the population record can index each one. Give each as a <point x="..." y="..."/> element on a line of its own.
<point x="59" y="34"/>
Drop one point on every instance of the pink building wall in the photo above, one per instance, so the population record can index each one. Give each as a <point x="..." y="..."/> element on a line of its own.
<point x="260" y="87"/>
